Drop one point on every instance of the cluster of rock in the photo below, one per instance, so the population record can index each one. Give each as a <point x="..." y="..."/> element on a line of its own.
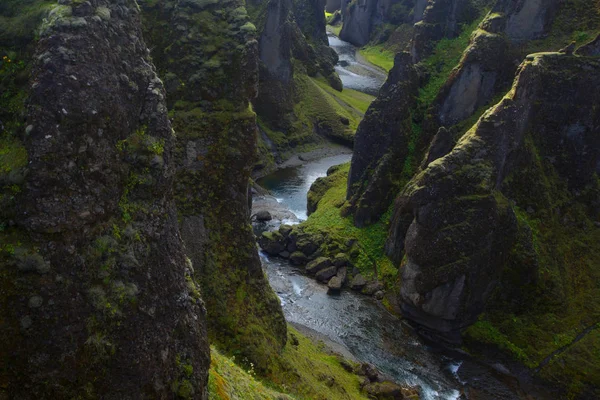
<point x="378" y="386"/>
<point x="334" y="268"/>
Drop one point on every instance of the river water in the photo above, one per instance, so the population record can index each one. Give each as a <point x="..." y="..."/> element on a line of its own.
<point x="353" y="71"/>
<point x="357" y="323"/>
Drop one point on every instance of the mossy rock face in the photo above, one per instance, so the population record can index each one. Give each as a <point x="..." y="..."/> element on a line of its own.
<point x="92" y="267"/>
<point x="209" y="50"/>
<point x="477" y="229"/>
<point x="293" y="46"/>
<point x="381" y="144"/>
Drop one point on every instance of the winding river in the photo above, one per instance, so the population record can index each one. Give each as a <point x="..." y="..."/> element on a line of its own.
<point x="354" y="72"/>
<point x="358" y="324"/>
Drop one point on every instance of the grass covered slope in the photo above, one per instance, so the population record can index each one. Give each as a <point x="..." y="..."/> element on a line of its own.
<point x="321" y="114"/>
<point x="330" y="219"/>
<point x="306" y="370"/>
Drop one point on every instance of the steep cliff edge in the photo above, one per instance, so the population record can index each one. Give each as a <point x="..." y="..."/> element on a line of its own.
<point x="208" y="56"/>
<point x="98" y="298"/>
<point x="481" y="222"/>
<point x="293" y="108"/>
<point x="381" y="144"/>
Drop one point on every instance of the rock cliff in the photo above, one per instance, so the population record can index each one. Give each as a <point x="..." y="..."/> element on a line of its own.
<point x="487" y="66"/>
<point x="381" y="144"/>
<point x="208" y="55"/>
<point x="98" y="297"/>
<point x="454" y="224"/>
<point x="294" y="54"/>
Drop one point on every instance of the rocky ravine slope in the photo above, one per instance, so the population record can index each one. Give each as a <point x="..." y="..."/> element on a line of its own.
<point x="293" y="111"/>
<point x="97" y="294"/>
<point x="210" y="66"/>
<point x="494" y="230"/>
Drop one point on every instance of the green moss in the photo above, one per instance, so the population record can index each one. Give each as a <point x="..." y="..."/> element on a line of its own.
<point x="306" y="370"/>
<point x="328" y="220"/>
<point x="378" y="55"/>
<point x="352" y="100"/>
<point x="441" y="62"/>
<point x="335" y="29"/>
<point x="576" y="20"/>
<point x="563" y="301"/>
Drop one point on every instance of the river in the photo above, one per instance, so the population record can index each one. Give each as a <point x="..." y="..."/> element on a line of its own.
<point x="358" y="323"/>
<point x="354" y="72"/>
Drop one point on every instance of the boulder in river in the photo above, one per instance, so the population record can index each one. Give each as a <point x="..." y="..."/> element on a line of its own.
<point x="272" y="242"/>
<point x="318" y="265"/>
<point x="334" y="285"/>
<point x="326" y="274"/>
<point x="263" y="215"/>
<point x="358" y="282"/>
<point x="390" y="391"/>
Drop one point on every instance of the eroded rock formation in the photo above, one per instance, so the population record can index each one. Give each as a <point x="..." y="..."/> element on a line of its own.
<point x="381" y="144"/>
<point x="487" y="66"/>
<point x="97" y="295"/>
<point x="210" y="87"/>
<point x="454" y="227"/>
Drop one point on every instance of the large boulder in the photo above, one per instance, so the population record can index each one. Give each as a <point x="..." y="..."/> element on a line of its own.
<point x="318" y="265"/>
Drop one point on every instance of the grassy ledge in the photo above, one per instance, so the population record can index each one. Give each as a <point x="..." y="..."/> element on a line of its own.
<point x="379" y="56"/>
<point x="306" y="370"/>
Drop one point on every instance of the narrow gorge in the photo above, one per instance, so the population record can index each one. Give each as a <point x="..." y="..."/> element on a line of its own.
<point x="299" y="199"/>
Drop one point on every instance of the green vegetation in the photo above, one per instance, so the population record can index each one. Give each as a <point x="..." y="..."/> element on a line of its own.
<point x="351" y="99"/>
<point x="576" y="20"/>
<point x="335" y="29"/>
<point x="320" y="109"/>
<point x="328" y="219"/>
<point x="443" y="60"/>
<point x="306" y="370"/>
<point x="378" y="55"/>
<point x="564" y="301"/>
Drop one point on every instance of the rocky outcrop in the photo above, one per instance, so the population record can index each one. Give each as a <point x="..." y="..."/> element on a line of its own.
<point x="381" y="144"/>
<point x="293" y="48"/>
<point x="453" y="227"/>
<point x="522" y="20"/>
<point x="98" y="298"/>
<point x="332" y="6"/>
<point x="290" y="31"/>
<point x="487" y="66"/>
<point x="357" y="17"/>
<point x="209" y="87"/>
<point x="363" y="19"/>
<point x="441" y="18"/>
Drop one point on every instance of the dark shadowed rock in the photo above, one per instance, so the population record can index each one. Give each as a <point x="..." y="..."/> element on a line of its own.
<point x="298" y="258"/>
<point x="334" y="285"/>
<point x="216" y="72"/>
<point x="453" y="225"/>
<point x="263" y="215"/>
<point x="381" y="144"/>
<point x="102" y="300"/>
<point x="272" y="242"/>
<point x="358" y="282"/>
<point x="442" y="144"/>
<point x="591" y="49"/>
<point x="317" y="265"/>
<point x="326" y="274"/>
